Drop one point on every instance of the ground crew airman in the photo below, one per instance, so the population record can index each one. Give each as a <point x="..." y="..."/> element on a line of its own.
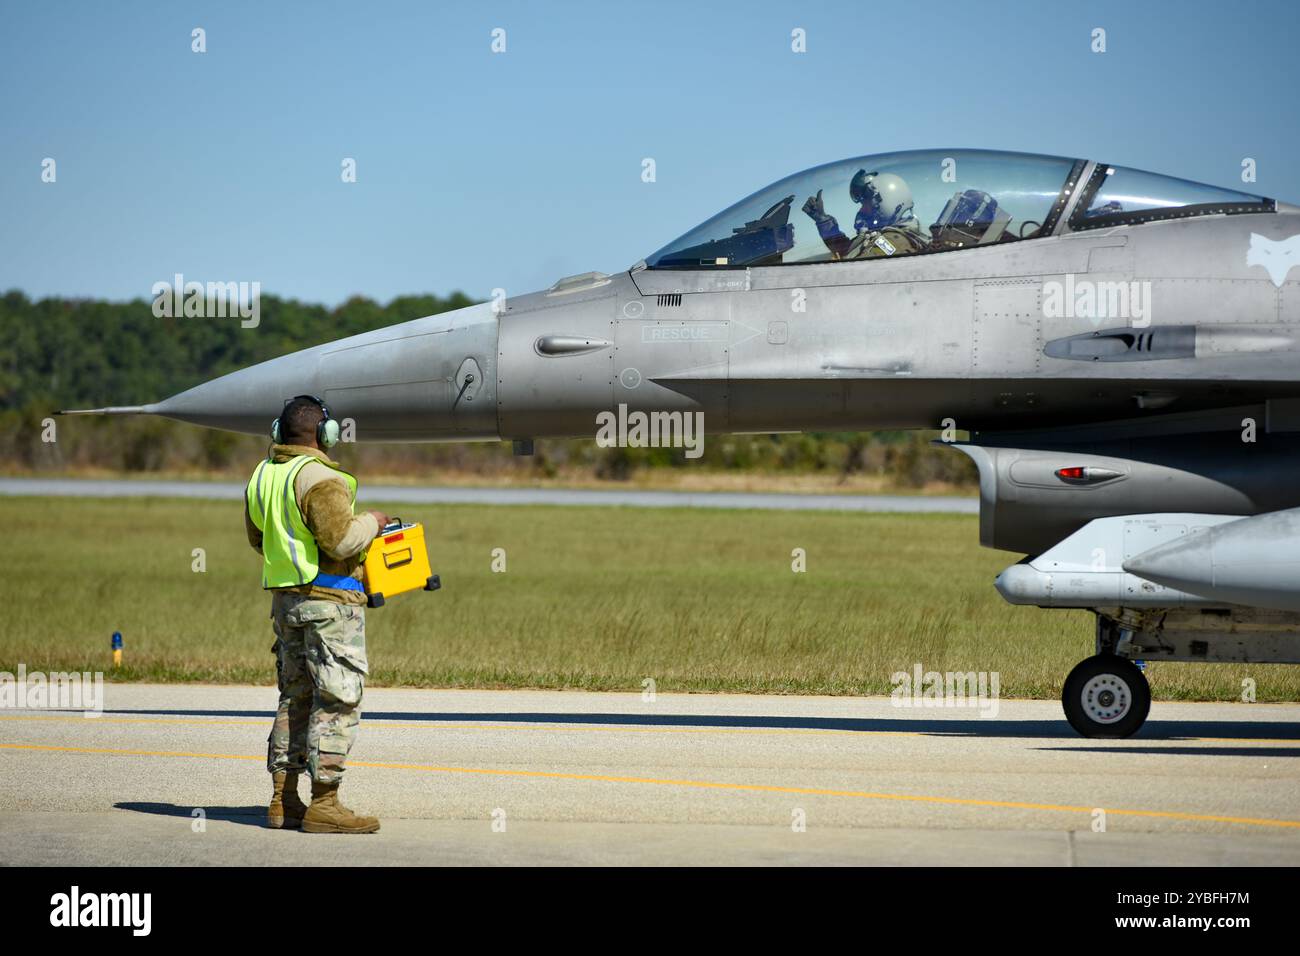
<point x="299" y="516"/>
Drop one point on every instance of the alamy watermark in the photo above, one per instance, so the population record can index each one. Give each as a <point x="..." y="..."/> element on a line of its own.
<point x="75" y="908"/>
<point x="651" y="430"/>
<point x="1098" y="300"/>
<point x="59" y="690"/>
<point x="978" y="690"/>
<point x="215" y="300"/>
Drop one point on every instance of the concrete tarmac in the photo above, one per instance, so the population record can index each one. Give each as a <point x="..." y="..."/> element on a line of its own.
<point x="175" y="775"/>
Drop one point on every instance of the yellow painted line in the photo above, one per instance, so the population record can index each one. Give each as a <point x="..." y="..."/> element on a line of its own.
<point x="701" y="784"/>
<point x="82" y="719"/>
<point x="377" y="722"/>
<point x="112" y="751"/>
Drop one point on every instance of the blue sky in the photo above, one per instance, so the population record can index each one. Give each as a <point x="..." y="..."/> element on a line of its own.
<point x="478" y="170"/>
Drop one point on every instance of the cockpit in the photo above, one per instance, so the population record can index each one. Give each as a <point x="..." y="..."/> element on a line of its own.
<point x="929" y="201"/>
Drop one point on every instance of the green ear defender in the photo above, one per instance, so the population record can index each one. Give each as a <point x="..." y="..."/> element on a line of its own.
<point x="327" y="432"/>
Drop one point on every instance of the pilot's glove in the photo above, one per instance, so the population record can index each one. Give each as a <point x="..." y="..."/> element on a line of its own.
<point x="814" y="208"/>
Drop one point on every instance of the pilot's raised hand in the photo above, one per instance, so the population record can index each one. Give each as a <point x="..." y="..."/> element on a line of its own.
<point x="814" y="208"/>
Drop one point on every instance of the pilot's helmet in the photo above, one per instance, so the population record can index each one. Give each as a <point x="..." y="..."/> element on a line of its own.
<point x="884" y="197"/>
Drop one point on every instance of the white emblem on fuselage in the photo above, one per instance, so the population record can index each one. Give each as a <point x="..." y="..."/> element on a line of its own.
<point x="1275" y="255"/>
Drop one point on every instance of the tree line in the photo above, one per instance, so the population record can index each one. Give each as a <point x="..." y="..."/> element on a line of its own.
<point x="76" y="353"/>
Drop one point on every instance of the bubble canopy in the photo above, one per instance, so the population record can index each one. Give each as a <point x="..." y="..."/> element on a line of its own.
<point x="947" y="200"/>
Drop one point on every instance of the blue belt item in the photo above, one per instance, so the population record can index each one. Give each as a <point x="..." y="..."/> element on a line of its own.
<point x="338" y="582"/>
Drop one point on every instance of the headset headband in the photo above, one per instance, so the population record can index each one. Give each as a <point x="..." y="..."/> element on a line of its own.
<point x="327" y="429"/>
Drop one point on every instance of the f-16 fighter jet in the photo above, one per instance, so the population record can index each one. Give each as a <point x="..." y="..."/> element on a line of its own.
<point x="1119" y="349"/>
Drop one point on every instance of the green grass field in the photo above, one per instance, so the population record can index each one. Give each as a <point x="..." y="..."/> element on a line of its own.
<point x="596" y="598"/>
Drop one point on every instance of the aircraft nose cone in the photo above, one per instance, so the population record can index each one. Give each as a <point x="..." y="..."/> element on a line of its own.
<point x="246" y="400"/>
<point x="424" y="380"/>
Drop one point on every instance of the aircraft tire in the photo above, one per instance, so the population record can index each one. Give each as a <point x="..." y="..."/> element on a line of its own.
<point x="1106" y="697"/>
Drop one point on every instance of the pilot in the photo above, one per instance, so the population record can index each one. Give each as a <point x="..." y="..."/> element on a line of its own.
<point x="884" y="226"/>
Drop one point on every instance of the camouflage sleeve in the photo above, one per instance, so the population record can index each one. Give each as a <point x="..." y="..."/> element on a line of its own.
<point x="327" y="509"/>
<point x="254" y="536"/>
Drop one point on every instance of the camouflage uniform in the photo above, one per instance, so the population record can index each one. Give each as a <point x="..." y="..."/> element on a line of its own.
<point x="320" y="647"/>
<point x="904" y="238"/>
<point x="321" y="669"/>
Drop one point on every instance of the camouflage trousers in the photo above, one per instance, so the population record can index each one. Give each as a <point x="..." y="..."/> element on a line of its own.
<point x="320" y="662"/>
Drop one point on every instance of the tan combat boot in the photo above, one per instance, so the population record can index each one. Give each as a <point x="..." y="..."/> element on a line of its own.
<point x="327" y="815"/>
<point x="287" y="809"/>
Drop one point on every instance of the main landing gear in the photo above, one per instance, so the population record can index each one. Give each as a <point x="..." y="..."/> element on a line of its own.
<point x="1106" y="696"/>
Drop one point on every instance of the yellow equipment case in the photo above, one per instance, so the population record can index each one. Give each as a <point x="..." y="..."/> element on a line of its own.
<point x="397" y="561"/>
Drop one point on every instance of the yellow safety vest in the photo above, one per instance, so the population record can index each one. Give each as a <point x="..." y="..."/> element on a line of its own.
<point x="290" y="555"/>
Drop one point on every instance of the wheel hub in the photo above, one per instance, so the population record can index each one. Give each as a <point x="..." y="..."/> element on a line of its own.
<point x="1106" y="698"/>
